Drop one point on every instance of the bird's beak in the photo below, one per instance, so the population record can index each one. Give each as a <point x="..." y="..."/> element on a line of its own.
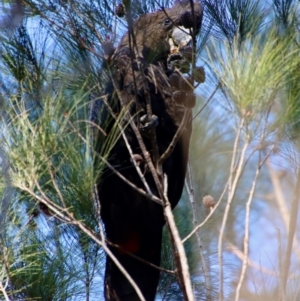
<point x="180" y="37"/>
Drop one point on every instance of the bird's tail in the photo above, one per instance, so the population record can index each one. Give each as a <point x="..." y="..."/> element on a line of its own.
<point x="146" y="277"/>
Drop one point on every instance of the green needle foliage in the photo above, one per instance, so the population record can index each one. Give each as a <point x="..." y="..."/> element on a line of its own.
<point x="255" y="72"/>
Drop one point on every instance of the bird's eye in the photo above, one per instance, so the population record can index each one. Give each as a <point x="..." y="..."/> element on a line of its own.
<point x="167" y="22"/>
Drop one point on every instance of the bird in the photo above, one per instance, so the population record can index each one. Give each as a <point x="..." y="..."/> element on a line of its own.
<point x="140" y="73"/>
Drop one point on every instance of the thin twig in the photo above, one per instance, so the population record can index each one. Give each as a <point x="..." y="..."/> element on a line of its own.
<point x="95" y="125"/>
<point x="183" y="273"/>
<point x="9" y="281"/>
<point x="207" y="217"/>
<point x="141" y="191"/>
<point x="279" y="195"/>
<point x="54" y="182"/>
<point x="176" y="137"/>
<point x="98" y="207"/>
<point x="247" y="222"/>
<point x="141" y="259"/>
<point x="190" y="191"/>
<point x="193" y="40"/>
<point x="4" y="292"/>
<point x="234" y="177"/>
<point x="208" y="100"/>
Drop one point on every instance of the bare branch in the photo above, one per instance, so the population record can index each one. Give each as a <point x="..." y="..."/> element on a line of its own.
<point x="176" y="137"/>
<point x="208" y="100"/>
<point x="141" y="259"/>
<point x="234" y="177"/>
<point x="183" y="273"/>
<point x="4" y="292"/>
<point x="247" y="221"/>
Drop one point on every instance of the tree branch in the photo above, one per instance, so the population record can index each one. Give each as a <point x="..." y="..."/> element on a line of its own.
<point x="182" y="272"/>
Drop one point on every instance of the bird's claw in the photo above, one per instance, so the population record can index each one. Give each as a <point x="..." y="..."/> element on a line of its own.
<point x="148" y="123"/>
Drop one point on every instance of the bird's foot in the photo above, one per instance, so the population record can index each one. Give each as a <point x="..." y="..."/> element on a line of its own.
<point x="148" y="122"/>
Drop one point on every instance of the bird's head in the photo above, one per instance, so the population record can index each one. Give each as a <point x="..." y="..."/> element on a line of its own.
<point x="156" y="33"/>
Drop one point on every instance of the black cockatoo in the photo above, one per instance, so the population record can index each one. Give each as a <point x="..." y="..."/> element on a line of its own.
<point x="141" y="69"/>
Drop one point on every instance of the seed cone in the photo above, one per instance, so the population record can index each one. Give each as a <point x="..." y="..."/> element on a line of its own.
<point x="199" y="74"/>
<point x="208" y="201"/>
